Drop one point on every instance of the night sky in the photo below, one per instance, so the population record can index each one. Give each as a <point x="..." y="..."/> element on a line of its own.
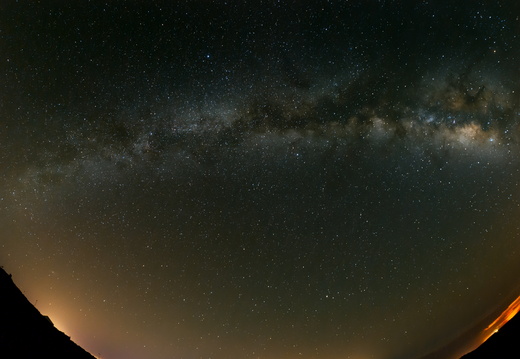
<point x="261" y="179"/>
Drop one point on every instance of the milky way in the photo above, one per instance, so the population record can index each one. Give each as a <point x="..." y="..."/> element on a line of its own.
<point x="266" y="180"/>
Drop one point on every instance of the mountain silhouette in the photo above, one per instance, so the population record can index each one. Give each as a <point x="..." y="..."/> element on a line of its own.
<point x="27" y="334"/>
<point x="501" y="345"/>
<point x="494" y="337"/>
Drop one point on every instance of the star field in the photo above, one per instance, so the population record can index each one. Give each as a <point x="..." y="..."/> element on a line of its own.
<point x="270" y="179"/>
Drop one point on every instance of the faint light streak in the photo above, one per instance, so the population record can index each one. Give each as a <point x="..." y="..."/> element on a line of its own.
<point x="506" y="316"/>
<point x="502" y="319"/>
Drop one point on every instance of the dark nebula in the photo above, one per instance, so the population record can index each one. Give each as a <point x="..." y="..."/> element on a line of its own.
<point x="268" y="179"/>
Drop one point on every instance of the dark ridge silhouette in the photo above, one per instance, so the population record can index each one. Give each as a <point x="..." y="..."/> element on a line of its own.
<point x="484" y="342"/>
<point x="27" y="334"/>
<point x="504" y="344"/>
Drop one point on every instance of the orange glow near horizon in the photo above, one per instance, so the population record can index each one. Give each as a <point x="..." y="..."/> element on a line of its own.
<point x="502" y="319"/>
<point x="57" y="322"/>
<point x="506" y="316"/>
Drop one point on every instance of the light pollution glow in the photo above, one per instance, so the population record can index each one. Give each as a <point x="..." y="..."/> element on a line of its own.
<point x="505" y="317"/>
<point x="312" y="180"/>
<point x="498" y="323"/>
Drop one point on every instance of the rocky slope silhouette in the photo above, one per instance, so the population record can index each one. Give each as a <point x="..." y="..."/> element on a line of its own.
<point x="25" y="333"/>
<point x="504" y="344"/>
<point x="494" y="337"/>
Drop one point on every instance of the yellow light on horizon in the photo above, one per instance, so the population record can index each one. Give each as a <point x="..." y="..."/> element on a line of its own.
<point x="502" y="319"/>
<point x="506" y="315"/>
